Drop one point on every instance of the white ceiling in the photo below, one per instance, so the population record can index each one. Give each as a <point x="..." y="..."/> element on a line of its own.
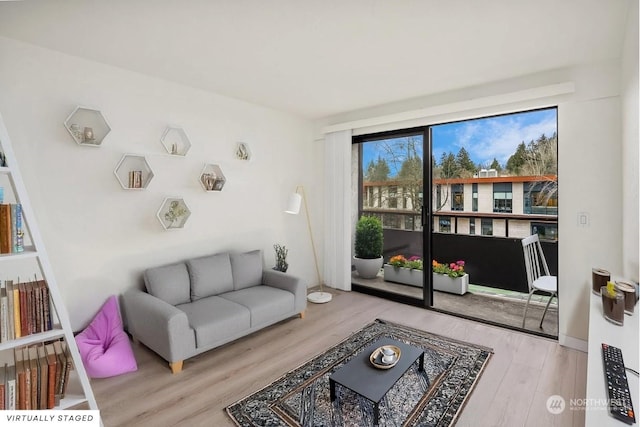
<point x="317" y="58"/>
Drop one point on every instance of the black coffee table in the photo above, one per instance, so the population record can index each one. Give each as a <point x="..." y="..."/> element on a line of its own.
<point x="361" y="377"/>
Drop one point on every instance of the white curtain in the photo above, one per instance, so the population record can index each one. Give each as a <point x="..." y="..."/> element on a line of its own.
<point x="337" y="210"/>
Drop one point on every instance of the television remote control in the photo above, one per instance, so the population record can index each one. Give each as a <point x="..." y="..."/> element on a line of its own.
<point x="620" y="405"/>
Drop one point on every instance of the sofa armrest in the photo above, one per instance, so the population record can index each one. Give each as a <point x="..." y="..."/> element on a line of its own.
<point x="287" y="282"/>
<point x="159" y="325"/>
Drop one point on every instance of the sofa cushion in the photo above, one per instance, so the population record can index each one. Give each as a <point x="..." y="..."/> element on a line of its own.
<point x="170" y="283"/>
<point x="265" y="303"/>
<point x="247" y="269"/>
<point x="215" y="319"/>
<point x="210" y="275"/>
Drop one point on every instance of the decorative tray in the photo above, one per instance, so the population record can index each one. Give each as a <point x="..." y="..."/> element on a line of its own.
<point x="391" y="351"/>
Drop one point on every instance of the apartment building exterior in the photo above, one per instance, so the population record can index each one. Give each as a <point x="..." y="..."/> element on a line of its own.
<point x="486" y="204"/>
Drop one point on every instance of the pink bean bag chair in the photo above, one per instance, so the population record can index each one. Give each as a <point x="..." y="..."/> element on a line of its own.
<point x="104" y="346"/>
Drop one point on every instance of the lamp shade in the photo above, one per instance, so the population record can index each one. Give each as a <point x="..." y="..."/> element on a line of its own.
<point x="293" y="206"/>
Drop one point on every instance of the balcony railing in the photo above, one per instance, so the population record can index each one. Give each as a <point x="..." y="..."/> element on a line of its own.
<point x="493" y="261"/>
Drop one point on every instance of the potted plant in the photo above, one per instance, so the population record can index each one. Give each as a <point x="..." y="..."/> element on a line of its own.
<point x="402" y="270"/>
<point x="281" y="258"/>
<point x="368" y="247"/>
<point x="450" y="277"/>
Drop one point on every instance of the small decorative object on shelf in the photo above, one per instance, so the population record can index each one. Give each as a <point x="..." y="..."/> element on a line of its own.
<point x="212" y="178"/>
<point x="87" y="126"/>
<point x="599" y="278"/>
<point x="612" y="304"/>
<point x="133" y="172"/>
<point x="173" y="213"/>
<point x="281" y="258"/>
<point x="175" y="141"/>
<point x="88" y="135"/>
<point x="242" y="151"/>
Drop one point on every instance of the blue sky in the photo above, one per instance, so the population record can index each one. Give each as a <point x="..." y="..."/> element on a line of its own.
<point x="484" y="139"/>
<point x="492" y="137"/>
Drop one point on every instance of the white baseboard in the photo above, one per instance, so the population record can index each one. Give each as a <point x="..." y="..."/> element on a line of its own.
<point x="575" y="343"/>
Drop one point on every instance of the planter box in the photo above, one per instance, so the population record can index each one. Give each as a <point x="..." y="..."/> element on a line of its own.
<point x="412" y="277"/>
<point x="406" y="276"/>
<point x="454" y="285"/>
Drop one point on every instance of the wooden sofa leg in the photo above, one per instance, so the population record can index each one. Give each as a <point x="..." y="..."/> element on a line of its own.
<point x="176" y="366"/>
<point x="302" y="314"/>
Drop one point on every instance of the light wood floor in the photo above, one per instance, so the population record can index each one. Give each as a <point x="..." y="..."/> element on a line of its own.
<point x="524" y="371"/>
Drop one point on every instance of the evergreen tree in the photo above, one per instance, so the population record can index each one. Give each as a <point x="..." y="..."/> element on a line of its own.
<point x="411" y="169"/>
<point x="449" y="166"/>
<point x="495" y="165"/>
<point x="517" y="159"/>
<point x="464" y="162"/>
<point x="378" y="171"/>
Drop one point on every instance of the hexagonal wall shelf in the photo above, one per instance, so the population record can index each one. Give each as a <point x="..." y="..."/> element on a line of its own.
<point x="175" y="141"/>
<point x="133" y="172"/>
<point x="243" y="152"/>
<point x="87" y="126"/>
<point x="173" y="213"/>
<point x="212" y="178"/>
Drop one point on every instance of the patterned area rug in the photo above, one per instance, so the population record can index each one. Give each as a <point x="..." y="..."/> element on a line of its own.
<point x="434" y="397"/>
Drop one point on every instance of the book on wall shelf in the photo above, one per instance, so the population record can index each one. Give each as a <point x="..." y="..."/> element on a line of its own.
<point x="40" y="365"/>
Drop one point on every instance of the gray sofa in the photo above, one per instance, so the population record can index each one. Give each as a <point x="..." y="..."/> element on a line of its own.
<point x="193" y="306"/>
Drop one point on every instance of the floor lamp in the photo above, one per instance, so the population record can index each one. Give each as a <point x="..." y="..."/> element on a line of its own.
<point x="293" y="207"/>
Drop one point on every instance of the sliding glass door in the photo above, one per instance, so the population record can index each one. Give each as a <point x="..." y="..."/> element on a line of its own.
<point x="391" y="176"/>
<point x="490" y="182"/>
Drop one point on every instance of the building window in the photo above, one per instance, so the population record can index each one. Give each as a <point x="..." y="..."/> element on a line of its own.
<point x="474" y="197"/>
<point x="540" y="198"/>
<point x="545" y="231"/>
<point x="502" y="197"/>
<point x="472" y="226"/>
<point x="409" y="222"/>
<point x="438" y="197"/>
<point x="487" y="226"/>
<point x="393" y="197"/>
<point x="457" y="202"/>
<point x="445" y="224"/>
<point x="391" y="221"/>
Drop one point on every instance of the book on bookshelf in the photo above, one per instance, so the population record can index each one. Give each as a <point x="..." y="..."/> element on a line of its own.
<point x="16" y="310"/>
<point x="10" y="321"/>
<point x="3" y="387"/>
<point x="69" y="367"/>
<point x="52" y="363"/>
<point x="5" y="229"/>
<point x="43" y="379"/>
<point x="10" y="387"/>
<point x="4" y="313"/>
<point x="62" y="367"/>
<point x="18" y="243"/>
<point x="31" y="353"/>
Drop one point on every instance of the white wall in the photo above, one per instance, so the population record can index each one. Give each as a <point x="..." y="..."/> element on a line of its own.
<point x="100" y="237"/>
<point x="630" y="190"/>
<point x="589" y="169"/>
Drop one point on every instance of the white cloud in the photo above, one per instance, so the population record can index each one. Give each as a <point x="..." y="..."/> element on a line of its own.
<point x="499" y="137"/>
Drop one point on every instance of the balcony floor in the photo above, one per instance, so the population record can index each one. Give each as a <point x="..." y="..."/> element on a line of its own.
<point x="489" y="308"/>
